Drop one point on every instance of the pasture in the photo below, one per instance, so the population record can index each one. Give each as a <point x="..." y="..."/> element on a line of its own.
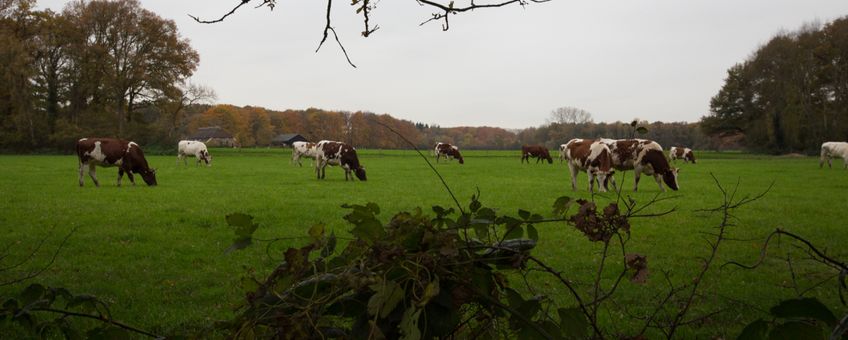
<point x="157" y="253"/>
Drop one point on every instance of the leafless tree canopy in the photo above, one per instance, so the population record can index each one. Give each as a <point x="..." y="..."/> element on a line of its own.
<point x="441" y="12"/>
<point x="570" y="115"/>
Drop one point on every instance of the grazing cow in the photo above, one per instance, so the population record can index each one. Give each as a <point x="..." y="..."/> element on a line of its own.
<point x="338" y="153"/>
<point x="448" y="151"/>
<point x="829" y="150"/>
<point x="591" y="156"/>
<point x="681" y="153"/>
<point x="642" y="155"/>
<point x="107" y="152"/>
<point x="197" y="149"/>
<point x="302" y="149"/>
<point x="538" y="151"/>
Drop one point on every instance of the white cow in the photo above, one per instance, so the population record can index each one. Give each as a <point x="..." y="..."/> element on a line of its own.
<point x="193" y="148"/>
<point x="303" y="149"/>
<point x="830" y="150"/>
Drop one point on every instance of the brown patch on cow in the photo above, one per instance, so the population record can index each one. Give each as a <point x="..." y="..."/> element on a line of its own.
<point x="659" y="163"/>
<point x="624" y="150"/>
<point x="538" y="151"/>
<point x="580" y="150"/>
<point x="603" y="162"/>
<point x="679" y="152"/>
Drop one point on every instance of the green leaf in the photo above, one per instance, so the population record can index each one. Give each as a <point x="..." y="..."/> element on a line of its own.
<point x="794" y="330"/>
<point x="431" y="291"/>
<point x="514" y="233"/>
<point x="238" y="244"/>
<point x="756" y="330"/>
<point x="32" y="293"/>
<point x="525" y="215"/>
<point x="561" y="205"/>
<point x="239" y="220"/>
<point x="375" y="209"/>
<point x="369" y="231"/>
<point x="386" y="297"/>
<point x="481" y="230"/>
<point x="475" y="205"/>
<point x="316" y="232"/>
<point x="809" y="308"/>
<point x="409" y="324"/>
<point x="330" y="247"/>
<point x="532" y="233"/>
<point x="573" y="322"/>
<point x="642" y="130"/>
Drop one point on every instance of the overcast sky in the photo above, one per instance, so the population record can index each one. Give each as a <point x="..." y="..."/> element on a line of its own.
<point x="507" y="67"/>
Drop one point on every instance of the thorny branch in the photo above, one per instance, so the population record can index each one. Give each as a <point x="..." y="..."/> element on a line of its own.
<point x="366" y="6"/>
<point x="44" y="267"/>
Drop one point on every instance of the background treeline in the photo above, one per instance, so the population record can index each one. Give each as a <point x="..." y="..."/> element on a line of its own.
<point x="790" y="95"/>
<point x="105" y="68"/>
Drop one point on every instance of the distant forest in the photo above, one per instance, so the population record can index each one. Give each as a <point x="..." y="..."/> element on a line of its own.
<point x="114" y="69"/>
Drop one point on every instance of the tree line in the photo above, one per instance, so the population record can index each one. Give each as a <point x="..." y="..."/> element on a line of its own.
<point x="109" y="68"/>
<point x="112" y="68"/>
<point x="790" y="95"/>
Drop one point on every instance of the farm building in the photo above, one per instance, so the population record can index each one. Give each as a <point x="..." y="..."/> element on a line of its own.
<point x="214" y="136"/>
<point x="287" y="139"/>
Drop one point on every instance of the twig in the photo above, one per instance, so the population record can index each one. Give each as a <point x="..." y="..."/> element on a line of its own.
<point x="99" y="318"/>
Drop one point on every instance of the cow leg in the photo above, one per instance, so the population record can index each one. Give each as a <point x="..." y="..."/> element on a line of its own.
<point x="93" y="174"/>
<point x="591" y="180"/>
<point x="658" y="178"/>
<point x="130" y="177"/>
<point x="80" y="173"/>
<point x="637" y="172"/>
<point x="572" y="169"/>
<point x="120" y="176"/>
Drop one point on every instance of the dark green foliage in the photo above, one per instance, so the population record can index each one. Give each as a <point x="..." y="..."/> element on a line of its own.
<point x="802" y="318"/>
<point x="43" y="312"/>
<point x="415" y="276"/>
<point x="790" y="95"/>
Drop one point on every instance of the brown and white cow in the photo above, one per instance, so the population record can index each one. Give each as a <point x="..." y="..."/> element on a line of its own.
<point x="538" y="151"/>
<point x="302" y="149"/>
<point x="448" y="151"/>
<point x="590" y="156"/>
<point x="642" y="155"/>
<point x="337" y="153"/>
<point x="108" y="152"/>
<point x="681" y="153"/>
<point x="830" y="150"/>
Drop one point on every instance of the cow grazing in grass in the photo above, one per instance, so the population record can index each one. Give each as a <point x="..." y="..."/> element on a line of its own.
<point x="681" y="153"/>
<point x="538" y="151"/>
<point x="448" y="151"/>
<point x="830" y="150"/>
<point x="590" y="156"/>
<point x="303" y="149"/>
<point x="108" y="152"/>
<point x="338" y="153"/>
<point x="197" y="149"/>
<point x="642" y="156"/>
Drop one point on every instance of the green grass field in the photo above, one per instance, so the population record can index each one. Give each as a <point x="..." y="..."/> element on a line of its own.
<point x="156" y="254"/>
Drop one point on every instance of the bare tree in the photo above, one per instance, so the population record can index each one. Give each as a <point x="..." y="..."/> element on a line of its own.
<point x="570" y="115"/>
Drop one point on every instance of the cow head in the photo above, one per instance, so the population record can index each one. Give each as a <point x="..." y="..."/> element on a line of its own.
<point x="690" y="156"/>
<point x="206" y="157"/>
<point x="149" y="176"/>
<point x="360" y="173"/>
<point x="547" y="155"/>
<point x="670" y="178"/>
